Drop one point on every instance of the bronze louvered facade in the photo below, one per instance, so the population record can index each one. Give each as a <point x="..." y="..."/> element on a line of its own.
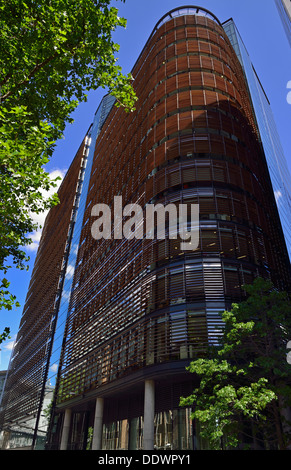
<point x="144" y="308"/>
<point x="25" y="386"/>
<point x="141" y="309"/>
<point x="192" y="138"/>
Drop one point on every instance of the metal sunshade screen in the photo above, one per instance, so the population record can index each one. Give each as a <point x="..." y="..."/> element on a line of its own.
<point x="30" y="356"/>
<point x="192" y="138"/>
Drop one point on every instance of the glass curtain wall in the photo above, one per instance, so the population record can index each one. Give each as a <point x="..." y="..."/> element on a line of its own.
<point x="77" y="223"/>
<point x="284" y="8"/>
<point x="279" y="172"/>
<point x="173" y="430"/>
<point x="74" y="237"/>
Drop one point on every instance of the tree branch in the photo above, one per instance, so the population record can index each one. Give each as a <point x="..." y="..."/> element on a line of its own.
<point x="31" y="74"/>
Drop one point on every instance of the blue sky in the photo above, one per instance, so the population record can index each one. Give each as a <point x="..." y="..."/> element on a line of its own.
<point x="262" y="32"/>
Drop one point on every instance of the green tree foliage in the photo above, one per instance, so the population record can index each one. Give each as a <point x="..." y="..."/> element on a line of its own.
<point x="52" y="53"/>
<point x="244" y="394"/>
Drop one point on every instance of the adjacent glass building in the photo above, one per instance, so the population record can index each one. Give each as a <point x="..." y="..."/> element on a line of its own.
<point x="24" y="408"/>
<point x="284" y="8"/>
<point x="268" y="134"/>
<point x="114" y="322"/>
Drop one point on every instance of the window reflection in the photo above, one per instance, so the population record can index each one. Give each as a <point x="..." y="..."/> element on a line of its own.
<point x="173" y="430"/>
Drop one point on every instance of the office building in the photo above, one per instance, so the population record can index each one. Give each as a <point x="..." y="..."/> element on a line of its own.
<point x="2" y="380"/>
<point x="114" y="322"/>
<point x="284" y="8"/>
<point x="43" y="320"/>
<point x="268" y="133"/>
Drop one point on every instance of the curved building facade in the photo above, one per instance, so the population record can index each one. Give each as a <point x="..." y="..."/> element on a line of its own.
<point x="133" y="312"/>
<point x="141" y="309"/>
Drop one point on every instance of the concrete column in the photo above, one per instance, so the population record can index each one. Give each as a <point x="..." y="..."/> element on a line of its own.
<point x="66" y="430"/>
<point x="149" y="415"/>
<point x="98" y="424"/>
<point x="6" y="438"/>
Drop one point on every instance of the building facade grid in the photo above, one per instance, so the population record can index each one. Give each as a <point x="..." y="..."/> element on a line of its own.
<point x="133" y="313"/>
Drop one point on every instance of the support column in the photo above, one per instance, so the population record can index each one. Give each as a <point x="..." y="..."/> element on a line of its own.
<point x="149" y="415"/>
<point x="6" y="439"/>
<point x="98" y="424"/>
<point x="66" y="429"/>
